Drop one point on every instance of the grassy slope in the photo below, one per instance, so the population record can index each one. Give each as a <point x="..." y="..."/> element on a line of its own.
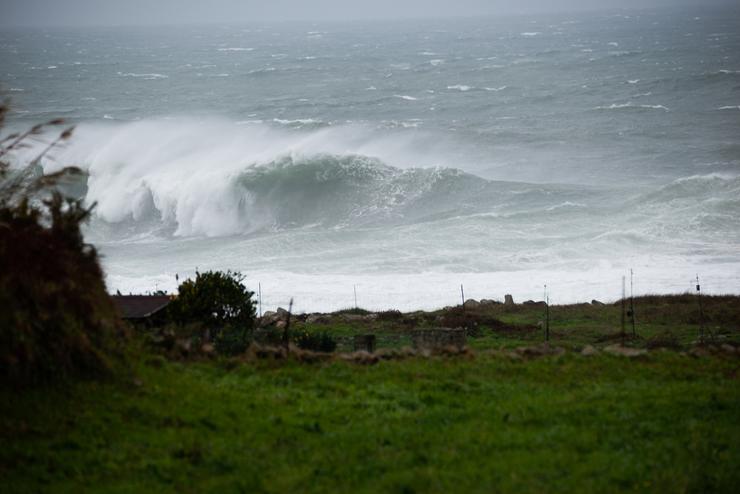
<point x="665" y="423"/>
<point x="672" y="320"/>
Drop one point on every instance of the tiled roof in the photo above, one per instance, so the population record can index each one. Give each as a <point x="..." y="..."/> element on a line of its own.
<point x="140" y="306"/>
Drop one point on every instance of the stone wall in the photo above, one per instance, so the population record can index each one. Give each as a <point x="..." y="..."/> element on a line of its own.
<point x="438" y="338"/>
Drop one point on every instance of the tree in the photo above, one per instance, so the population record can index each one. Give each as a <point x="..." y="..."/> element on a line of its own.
<point x="215" y="299"/>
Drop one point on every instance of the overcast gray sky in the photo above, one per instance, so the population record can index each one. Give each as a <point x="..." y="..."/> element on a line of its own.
<point x="112" y="12"/>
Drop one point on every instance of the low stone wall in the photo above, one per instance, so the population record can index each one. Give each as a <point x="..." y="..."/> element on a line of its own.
<point x="438" y="338"/>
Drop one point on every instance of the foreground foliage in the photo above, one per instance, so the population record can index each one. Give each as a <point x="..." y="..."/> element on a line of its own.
<point x="56" y="318"/>
<point x="666" y="423"/>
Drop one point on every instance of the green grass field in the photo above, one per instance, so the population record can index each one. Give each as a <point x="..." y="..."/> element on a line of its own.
<point x="663" y="423"/>
<point x="483" y="421"/>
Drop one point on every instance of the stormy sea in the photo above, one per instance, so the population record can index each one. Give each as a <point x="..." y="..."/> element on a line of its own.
<point x="401" y="159"/>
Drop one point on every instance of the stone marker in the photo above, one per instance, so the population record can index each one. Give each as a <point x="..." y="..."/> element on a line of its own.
<point x="508" y="299"/>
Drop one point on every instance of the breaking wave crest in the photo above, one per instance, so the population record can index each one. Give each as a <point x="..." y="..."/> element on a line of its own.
<point x="220" y="179"/>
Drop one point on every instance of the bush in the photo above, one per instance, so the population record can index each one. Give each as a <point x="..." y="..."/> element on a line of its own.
<point x="57" y="319"/>
<point x="232" y="340"/>
<point x="219" y="302"/>
<point x="317" y="342"/>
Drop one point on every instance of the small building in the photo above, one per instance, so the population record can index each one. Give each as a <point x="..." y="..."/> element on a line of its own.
<point x="143" y="310"/>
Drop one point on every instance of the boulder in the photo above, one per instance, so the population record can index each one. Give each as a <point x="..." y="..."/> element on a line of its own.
<point x="316" y="319"/>
<point x="589" y="351"/>
<point x="624" y="351"/>
<point x="596" y="302"/>
<point x="282" y="313"/>
<point x="486" y="301"/>
<point x="471" y="304"/>
<point x="508" y="299"/>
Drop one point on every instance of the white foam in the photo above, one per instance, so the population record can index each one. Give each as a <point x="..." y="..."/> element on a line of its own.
<point x="152" y="76"/>
<point x="620" y="106"/>
<point x="736" y="107"/>
<point x="633" y="81"/>
<point x="236" y="48"/>
<point x="434" y="290"/>
<point x="405" y="97"/>
<point x="436" y="62"/>
<point x="530" y="34"/>
<point x="495" y="89"/>
<point x="460" y="87"/>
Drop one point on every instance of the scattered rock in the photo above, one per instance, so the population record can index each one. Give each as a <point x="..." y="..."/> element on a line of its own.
<point x="700" y="351"/>
<point x="532" y="302"/>
<point x="539" y="351"/>
<point x="370" y="317"/>
<point x="508" y="299"/>
<point x="281" y="324"/>
<point x="208" y="349"/>
<point x="486" y="301"/>
<point x="360" y="357"/>
<point x="282" y="313"/>
<point x="471" y="304"/>
<point x="353" y="317"/>
<point x="589" y="351"/>
<point x="625" y="351"/>
<point x="596" y="302"/>
<point x="728" y="349"/>
<point x="315" y="319"/>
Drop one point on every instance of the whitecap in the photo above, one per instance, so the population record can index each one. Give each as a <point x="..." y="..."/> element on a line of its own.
<point x="495" y="88"/>
<point x="729" y="107"/>
<point x="613" y="43"/>
<point x="16" y="90"/>
<point x="148" y="77"/>
<point x="633" y="81"/>
<point x="236" y="48"/>
<point x="436" y="62"/>
<point x="407" y="98"/>
<point x="619" y="106"/>
<point x="530" y="34"/>
<point x="460" y="87"/>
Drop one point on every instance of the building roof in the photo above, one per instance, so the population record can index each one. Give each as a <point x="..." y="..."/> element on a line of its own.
<point x="140" y="306"/>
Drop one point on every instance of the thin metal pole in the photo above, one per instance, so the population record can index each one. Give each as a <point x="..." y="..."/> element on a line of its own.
<point x="354" y="287"/>
<point x="632" y="304"/>
<point x="259" y="289"/>
<point x="462" y="296"/>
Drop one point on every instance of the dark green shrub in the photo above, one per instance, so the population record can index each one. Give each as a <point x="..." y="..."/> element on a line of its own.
<point x="217" y="300"/>
<point x="317" y="342"/>
<point x="57" y="319"/>
<point x="232" y="340"/>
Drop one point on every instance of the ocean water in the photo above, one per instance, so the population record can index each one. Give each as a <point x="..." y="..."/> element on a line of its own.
<point x="403" y="159"/>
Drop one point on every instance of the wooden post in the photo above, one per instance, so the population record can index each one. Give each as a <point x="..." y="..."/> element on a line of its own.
<point x="701" y="311"/>
<point x="632" y="304"/>
<point x="622" y="334"/>
<point x="462" y="296"/>
<point x="259" y="291"/>
<point x="547" y="315"/>
<point x="286" y="331"/>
